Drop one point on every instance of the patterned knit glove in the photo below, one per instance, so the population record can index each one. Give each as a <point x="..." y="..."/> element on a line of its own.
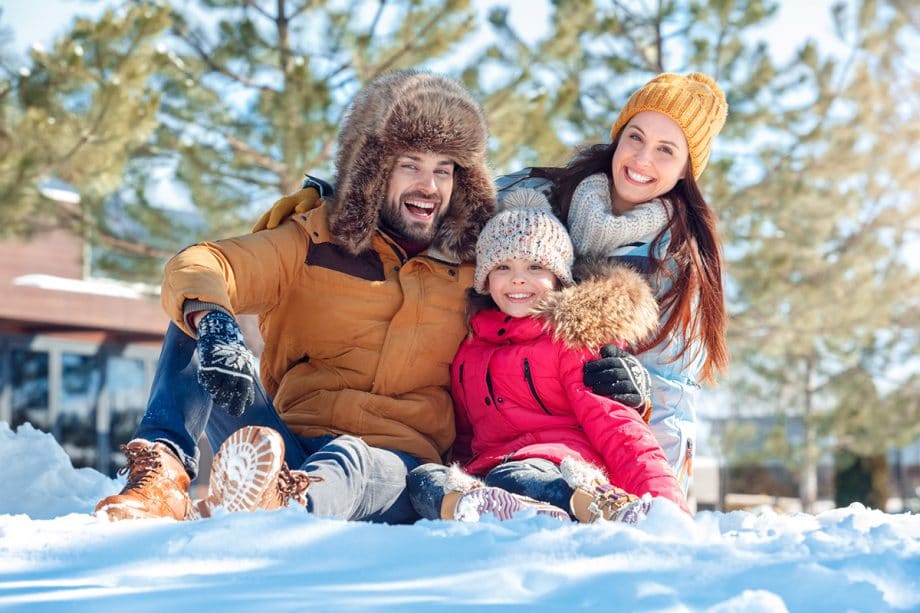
<point x="226" y="368"/>
<point x="619" y="376"/>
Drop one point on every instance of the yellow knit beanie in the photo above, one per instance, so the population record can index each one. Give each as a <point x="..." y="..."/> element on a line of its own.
<point x="695" y="102"/>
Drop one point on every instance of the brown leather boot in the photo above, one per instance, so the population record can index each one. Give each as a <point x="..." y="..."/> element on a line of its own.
<point x="157" y="485"/>
<point x="248" y="473"/>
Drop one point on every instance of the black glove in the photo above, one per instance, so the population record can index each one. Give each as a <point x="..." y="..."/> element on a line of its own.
<point x="619" y="376"/>
<point x="226" y="367"/>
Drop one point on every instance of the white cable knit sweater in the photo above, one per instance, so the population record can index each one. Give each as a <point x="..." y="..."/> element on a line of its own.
<point x="596" y="230"/>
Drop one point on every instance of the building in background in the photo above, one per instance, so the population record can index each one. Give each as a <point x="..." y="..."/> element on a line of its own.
<point x="77" y="354"/>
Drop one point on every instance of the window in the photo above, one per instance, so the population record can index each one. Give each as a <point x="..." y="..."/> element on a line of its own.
<point x="127" y="398"/>
<point x="75" y="426"/>
<point x="29" y="388"/>
<point x="90" y="397"/>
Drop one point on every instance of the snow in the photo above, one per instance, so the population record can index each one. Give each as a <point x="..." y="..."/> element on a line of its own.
<point x="55" y="553"/>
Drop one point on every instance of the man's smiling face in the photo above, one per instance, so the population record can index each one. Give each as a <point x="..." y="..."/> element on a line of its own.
<point x="418" y="195"/>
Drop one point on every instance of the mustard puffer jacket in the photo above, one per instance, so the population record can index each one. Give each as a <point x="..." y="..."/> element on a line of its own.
<point x="353" y="345"/>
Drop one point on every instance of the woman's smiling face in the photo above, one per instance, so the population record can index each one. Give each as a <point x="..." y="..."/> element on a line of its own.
<point x="650" y="158"/>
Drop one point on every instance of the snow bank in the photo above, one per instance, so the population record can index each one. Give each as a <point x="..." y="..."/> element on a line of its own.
<point x="54" y="552"/>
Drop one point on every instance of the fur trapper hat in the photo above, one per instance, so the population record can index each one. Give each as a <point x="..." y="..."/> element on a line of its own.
<point x="412" y="111"/>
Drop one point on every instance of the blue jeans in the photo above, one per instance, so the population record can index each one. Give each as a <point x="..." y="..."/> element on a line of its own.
<point x="359" y="481"/>
<point x="535" y="478"/>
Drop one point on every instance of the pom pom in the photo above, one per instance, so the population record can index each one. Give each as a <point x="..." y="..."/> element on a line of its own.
<point x="711" y="84"/>
<point x="526" y="199"/>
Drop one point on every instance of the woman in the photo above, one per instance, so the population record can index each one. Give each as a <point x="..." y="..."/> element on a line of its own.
<point x="636" y="200"/>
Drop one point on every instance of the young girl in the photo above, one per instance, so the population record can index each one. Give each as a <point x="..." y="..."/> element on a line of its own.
<point x="526" y="424"/>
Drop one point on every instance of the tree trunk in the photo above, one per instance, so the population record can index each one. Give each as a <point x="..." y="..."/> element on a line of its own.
<point x="808" y="488"/>
<point x="862" y="479"/>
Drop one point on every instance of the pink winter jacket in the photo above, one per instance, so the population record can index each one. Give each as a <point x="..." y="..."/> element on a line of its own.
<point x="518" y="390"/>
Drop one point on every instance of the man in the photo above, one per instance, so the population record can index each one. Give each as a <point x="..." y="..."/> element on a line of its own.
<point x="361" y="307"/>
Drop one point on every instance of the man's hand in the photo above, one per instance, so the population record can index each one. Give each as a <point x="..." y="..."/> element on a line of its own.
<point x="226" y="368"/>
<point x="619" y="376"/>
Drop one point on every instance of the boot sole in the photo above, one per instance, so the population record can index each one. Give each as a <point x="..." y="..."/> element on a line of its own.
<point x="501" y="505"/>
<point x="244" y="468"/>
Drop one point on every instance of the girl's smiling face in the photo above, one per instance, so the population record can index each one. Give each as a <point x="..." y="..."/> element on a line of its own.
<point x="517" y="285"/>
<point x="650" y="158"/>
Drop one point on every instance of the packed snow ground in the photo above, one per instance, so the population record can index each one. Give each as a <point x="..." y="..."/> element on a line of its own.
<point x="54" y="553"/>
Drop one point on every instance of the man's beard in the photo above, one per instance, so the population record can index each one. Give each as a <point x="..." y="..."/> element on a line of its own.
<point x="420" y="233"/>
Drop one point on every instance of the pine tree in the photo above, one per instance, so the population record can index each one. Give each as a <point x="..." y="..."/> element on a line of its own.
<point x="569" y="86"/>
<point x="823" y="308"/>
<point x="77" y="113"/>
<point x="214" y="106"/>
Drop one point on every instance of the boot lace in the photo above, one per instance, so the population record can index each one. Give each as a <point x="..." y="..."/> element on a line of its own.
<point x="293" y="484"/>
<point x="142" y="465"/>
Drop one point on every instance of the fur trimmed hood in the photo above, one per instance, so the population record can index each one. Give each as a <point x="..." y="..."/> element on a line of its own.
<point x="412" y="111"/>
<point x="611" y="302"/>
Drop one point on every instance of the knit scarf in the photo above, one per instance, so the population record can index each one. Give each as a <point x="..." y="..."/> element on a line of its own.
<point x="596" y="230"/>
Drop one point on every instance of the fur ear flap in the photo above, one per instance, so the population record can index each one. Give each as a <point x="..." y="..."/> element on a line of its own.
<point x="355" y="210"/>
<point x="472" y="203"/>
<point x="579" y="474"/>
<point x="459" y="481"/>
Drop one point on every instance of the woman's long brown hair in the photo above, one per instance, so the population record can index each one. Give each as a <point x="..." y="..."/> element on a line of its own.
<point x="693" y="247"/>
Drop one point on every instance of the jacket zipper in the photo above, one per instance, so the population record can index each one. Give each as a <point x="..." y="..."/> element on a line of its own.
<point x="533" y="389"/>
<point x="489" y="387"/>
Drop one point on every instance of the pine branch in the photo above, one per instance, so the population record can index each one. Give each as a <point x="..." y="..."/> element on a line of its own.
<point x="410" y="43"/>
<point x="323" y="155"/>
<point x="372" y="31"/>
<point x="632" y="22"/>
<point x="659" y="41"/>
<point x="73" y="217"/>
<point x="259" y="158"/>
<point x="284" y="46"/>
<point x="130" y="247"/>
<point x="908" y="11"/>
<point x="183" y="33"/>
<point x="250" y="4"/>
<point x="303" y="8"/>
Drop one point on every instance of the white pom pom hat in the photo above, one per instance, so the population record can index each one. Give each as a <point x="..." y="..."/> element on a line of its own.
<point x="525" y="229"/>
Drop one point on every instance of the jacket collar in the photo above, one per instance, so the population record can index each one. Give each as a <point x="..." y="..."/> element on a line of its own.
<point x="495" y="327"/>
